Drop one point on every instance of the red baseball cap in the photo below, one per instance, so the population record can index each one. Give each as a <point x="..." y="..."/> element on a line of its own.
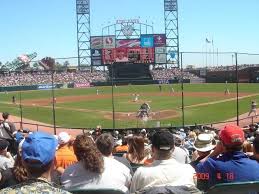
<point x="232" y="135"/>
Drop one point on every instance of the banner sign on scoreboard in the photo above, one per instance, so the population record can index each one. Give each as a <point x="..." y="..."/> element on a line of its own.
<point x="159" y="40"/>
<point x="170" y="5"/>
<point x="109" y="42"/>
<point x="96" y="42"/>
<point x="160" y="50"/>
<point x="147" y="41"/>
<point x="96" y="57"/>
<point x="127" y="43"/>
<point x="160" y="58"/>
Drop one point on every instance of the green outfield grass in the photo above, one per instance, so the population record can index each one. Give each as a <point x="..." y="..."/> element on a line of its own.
<point x="88" y="113"/>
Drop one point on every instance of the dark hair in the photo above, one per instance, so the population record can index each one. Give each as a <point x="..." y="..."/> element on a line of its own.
<point x="136" y="147"/>
<point x="105" y="143"/>
<point x="37" y="171"/>
<point x="87" y="152"/>
<point x="5" y="115"/>
<point x="19" y="171"/>
<point x="256" y="144"/>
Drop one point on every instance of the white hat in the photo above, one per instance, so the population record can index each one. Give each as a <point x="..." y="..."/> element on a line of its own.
<point x="204" y="143"/>
<point x="63" y="138"/>
<point x="143" y="131"/>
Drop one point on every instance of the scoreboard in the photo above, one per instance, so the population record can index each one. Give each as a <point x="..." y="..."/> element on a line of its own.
<point x="149" y="49"/>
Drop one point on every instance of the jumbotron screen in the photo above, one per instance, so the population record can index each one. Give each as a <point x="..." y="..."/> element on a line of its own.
<point x="108" y="50"/>
<point x="128" y="55"/>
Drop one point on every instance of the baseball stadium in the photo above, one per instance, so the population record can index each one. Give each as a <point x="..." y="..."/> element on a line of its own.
<point x="136" y="100"/>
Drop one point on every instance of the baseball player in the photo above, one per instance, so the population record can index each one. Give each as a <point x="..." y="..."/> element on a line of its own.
<point x="97" y="92"/>
<point x="136" y="96"/>
<point x="14" y="100"/>
<point x="226" y="88"/>
<point x="253" y="108"/>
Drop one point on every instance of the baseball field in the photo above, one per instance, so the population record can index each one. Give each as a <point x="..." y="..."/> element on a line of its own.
<point x="204" y="103"/>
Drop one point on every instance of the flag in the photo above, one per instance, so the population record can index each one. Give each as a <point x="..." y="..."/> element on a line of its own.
<point x="207" y="40"/>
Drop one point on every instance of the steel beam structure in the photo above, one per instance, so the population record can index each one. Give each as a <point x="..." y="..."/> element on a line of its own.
<point x="83" y="33"/>
<point x="172" y="32"/>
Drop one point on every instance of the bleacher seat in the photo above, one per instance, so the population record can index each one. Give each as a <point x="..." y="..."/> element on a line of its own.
<point x="96" y="191"/>
<point x="235" y="188"/>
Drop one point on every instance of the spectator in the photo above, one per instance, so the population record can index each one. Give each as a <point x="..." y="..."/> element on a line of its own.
<point x="64" y="155"/>
<point x="123" y="147"/>
<point x="164" y="170"/>
<point x="38" y="154"/>
<point x="7" y="124"/>
<point x="136" y="152"/>
<point x="105" y="144"/>
<point x="6" y="159"/>
<point x="93" y="170"/>
<point x="255" y="155"/>
<point x="15" y="175"/>
<point x="233" y="165"/>
<point x="180" y="154"/>
<point x="203" y="146"/>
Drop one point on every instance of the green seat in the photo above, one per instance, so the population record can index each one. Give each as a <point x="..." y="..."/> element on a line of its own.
<point x="96" y="191"/>
<point x="235" y="188"/>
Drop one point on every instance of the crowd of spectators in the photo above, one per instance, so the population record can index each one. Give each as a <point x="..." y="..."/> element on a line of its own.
<point x="35" y="78"/>
<point x="168" y="74"/>
<point x="231" y="67"/>
<point x="163" y="161"/>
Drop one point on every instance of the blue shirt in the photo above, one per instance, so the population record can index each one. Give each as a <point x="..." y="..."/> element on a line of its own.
<point x="230" y="167"/>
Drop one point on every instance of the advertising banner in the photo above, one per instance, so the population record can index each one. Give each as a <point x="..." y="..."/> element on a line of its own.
<point x="160" y="50"/>
<point x="160" y="58"/>
<point x="108" y="56"/>
<point x="46" y="86"/>
<point x="82" y="85"/>
<point x="147" y="41"/>
<point x="96" y="42"/>
<point x="159" y="40"/>
<point x="128" y="43"/>
<point x="147" y="55"/>
<point x="82" y="6"/>
<point x="109" y="42"/>
<point x="97" y="62"/>
<point x="96" y="54"/>
<point x="170" y="5"/>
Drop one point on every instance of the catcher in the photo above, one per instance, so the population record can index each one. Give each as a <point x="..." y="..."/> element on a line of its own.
<point x="144" y="109"/>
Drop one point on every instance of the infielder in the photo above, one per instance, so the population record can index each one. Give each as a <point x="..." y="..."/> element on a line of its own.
<point x="226" y="88"/>
<point x="253" y="108"/>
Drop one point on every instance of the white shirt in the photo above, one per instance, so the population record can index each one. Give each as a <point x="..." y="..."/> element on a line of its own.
<point x="6" y="163"/>
<point x="162" y="173"/>
<point x="115" y="176"/>
<point x="180" y="155"/>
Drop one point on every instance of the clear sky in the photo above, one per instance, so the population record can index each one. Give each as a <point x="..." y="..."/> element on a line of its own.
<point x="48" y="27"/>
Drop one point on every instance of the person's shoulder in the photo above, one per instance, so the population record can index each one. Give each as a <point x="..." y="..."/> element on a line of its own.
<point x="36" y="188"/>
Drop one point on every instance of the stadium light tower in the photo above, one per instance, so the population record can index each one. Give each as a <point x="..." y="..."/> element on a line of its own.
<point x="83" y="33"/>
<point x="171" y="31"/>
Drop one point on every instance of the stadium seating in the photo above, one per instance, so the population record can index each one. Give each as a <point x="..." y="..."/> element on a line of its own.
<point x="235" y="188"/>
<point x="96" y="191"/>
